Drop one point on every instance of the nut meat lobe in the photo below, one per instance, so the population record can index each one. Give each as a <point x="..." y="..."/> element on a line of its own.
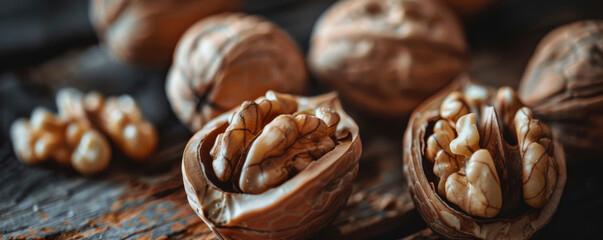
<point x="539" y="167"/>
<point x="245" y="125"/>
<point x="478" y="191"/>
<point x="287" y="144"/>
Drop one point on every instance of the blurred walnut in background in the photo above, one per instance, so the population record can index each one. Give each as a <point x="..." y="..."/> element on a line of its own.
<point x="563" y="83"/>
<point x="386" y="56"/>
<point x="224" y="60"/>
<point x="146" y="32"/>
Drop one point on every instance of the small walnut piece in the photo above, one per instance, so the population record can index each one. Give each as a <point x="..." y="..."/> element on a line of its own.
<point x="68" y="141"/>
<point x="75" y="137"/>
<point x="119" y="118"/>
<point x="563" y="82"/>
<point x="478" y="190"/>
<point x="454" y="107"/>
<point x="467" y="141"/>
<point x="386" y="56"/>
<point x="146" y="32"/>
<point x="286" y="145"/>
<point x="226" y="59"/>
<point x="279" y="167"/>
<point x="539" y="166"/>
<point x="497" y="171"/>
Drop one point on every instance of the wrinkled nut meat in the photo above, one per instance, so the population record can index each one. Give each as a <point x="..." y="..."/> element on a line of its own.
<point x="68" y="141"/>
<point x="563" y="84"/>
<point x="71" y="138"/>
<point x="119" y="118"/>
<point x="480" y="165"/>
<point x="386" y="56"/>
<point x="279" y="167"/>
<point x="224" y="60"/>
<point x="146" y="32"/>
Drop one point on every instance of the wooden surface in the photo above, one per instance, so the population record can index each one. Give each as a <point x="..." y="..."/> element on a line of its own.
<point x="147" y="201"/>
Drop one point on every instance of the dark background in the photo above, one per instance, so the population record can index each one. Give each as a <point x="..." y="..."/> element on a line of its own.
<point x="46" y="45"/>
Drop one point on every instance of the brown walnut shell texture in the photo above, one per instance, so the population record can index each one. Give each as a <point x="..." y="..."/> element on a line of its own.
<point x="296" y="209"/>
<point x="442" y="216"/>
<point x="226" y="59"/>
<point x="146" y="32"/>
<point x="563" y="83"/>
<point x="386" y="56"/>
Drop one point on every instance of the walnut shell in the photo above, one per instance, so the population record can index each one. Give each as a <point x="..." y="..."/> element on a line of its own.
<point x="563" y="83"/>
<point x="441" y="215"/>
<point x="297" y="208"/>
<point x="146" y="32"/>
<point x="226" y="59"/>
<point x="387" y="56"/>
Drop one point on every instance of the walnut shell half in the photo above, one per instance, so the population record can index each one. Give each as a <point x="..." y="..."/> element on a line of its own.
<point x="503" y="175"/>
<point x="563" y="83"/>
<point x="305" y="172"/>
<point x="226" y="59"/>
<point x="387" y="56"/>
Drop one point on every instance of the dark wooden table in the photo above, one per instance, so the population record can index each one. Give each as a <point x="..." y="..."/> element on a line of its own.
<point x="48" y="46"/>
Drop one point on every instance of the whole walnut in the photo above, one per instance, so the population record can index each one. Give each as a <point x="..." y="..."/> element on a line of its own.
<point x="226" y="59"/>
<point x="279" y="167"/>
<point x="563" y="84"/>
<point x="386" y="56"/>
<point x="146" y="32"/>
<point x="480" y="165"/>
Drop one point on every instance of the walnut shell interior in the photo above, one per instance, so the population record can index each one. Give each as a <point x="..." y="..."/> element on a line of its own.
<point x="446" y="218"/>
<point x="297" y="208"/>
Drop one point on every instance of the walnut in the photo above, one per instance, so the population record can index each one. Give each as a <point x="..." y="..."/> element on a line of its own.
<point x="118" y="117"/>
<point x="539" y="166"/>
<point x="146" y="32"/>
<point x="500" y="173"/>
<point x="386" y="56"/>
<point x="279" y="167"/>
<point x="477" y="191"/>
<point x="224" y="60"/>
<point x="66" y="140"/>
<point x="562" y="84"/>
<point x="75" y="137"/>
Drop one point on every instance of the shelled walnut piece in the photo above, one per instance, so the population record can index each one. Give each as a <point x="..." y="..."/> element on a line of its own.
<point x="68" y="141"/>
<point x="267" y="142"/>
<point x="468" y="175"/>
<point x="279" y="167"/>
<point x="479" y="164"/>
<point x="76" y="132"/>
<point x="118" y="117"/>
